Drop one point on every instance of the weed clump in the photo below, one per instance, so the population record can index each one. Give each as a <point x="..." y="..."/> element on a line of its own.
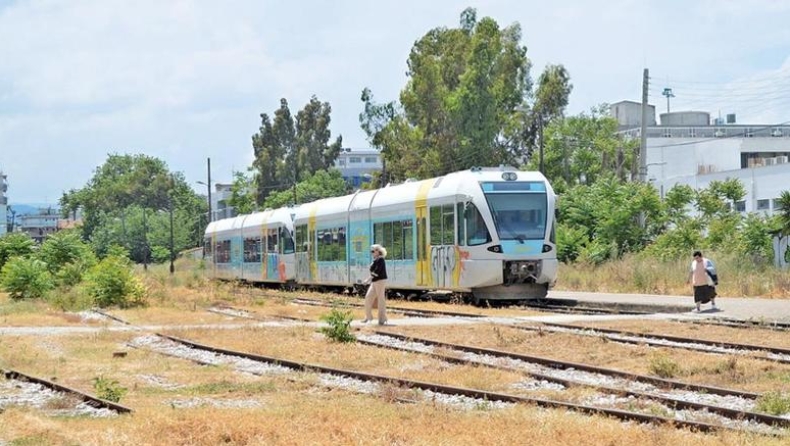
<point x="664" y="367"/>
<point x="339" y="323"/>
<point x="108" y="389"/>
<point x="774" y="403"/>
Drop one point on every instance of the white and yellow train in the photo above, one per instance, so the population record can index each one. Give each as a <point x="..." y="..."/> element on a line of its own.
<point x="485" y="233"/>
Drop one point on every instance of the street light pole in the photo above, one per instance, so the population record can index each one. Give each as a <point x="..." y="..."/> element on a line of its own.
<point x="172" y="253"/>
<point x="208" y="185"/>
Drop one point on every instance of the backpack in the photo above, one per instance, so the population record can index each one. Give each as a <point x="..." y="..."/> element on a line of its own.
<point x="710" y="268"/>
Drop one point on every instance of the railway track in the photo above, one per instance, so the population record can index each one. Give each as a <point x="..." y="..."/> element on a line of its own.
<point x="550" y="307"/>
<point x="776" y="354"/>
<point x="440" y="389"/>
<point x="675" y="394"/>
<point x="41" y="386"/>
<point x="395" y="309"/>
<point x="227" y="310"/>
<point x="739" y="323"/>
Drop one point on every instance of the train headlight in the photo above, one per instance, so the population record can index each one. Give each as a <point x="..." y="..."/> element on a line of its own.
<point x="510" y="176"/>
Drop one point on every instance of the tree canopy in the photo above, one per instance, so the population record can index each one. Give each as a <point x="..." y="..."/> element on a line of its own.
<point x="468" y="102"/>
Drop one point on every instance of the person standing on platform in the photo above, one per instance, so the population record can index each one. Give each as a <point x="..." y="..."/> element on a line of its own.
<point x="703" y="278"/>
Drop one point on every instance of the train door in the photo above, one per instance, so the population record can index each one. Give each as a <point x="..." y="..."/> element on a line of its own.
<point x="442" y="239"/>
<point x="423" y="266"/>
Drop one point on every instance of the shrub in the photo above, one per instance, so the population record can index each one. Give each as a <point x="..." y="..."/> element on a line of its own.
<point x="63" y="248"/>
<point x="774" y="403"/>
<point x="338" y="321"/>
<point x="25" y="278"/>
<point x="15" y="244"/>
<point x="664" y="367"/>
<point x="107" y="389"/>
<point x="72" y="273"/>
<point x="111" y="282"/>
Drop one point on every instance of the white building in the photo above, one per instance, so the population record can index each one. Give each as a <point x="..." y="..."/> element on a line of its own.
<point x="357" y="165"/>
<point x="687" y="149"/>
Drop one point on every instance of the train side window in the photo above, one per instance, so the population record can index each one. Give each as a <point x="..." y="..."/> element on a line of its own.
<point x="476" y="230"/>
<point x="378" y="233"/>
<point x="395" y="252"/>
<point x="448" y="224"/>
<point x="252" y="252"/>
<point x="436" y="225"/>
<point x="301" y="238"/>
<point x="461" y="224"/>
<point x="408" y="240"/>
<point x="387" y="241"/>
<point x="287" y="241"/>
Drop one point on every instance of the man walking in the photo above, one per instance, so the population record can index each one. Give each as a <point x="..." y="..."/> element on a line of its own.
<point x="703" y="278"/>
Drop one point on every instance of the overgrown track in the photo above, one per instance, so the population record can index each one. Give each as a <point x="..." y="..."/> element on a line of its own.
<point x="550" y="307"/>
<point x="395" y="309"/>
<point x="739" y="323"/>
<point x="88" y="399"/>
<point x="776" y="354"/>
<point x="451" y="390"/>
<point x="227" y="310"/>
<point x="675" y="403"/>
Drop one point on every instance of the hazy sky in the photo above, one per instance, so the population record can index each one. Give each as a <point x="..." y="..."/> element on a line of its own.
<point x="187" y="80"/>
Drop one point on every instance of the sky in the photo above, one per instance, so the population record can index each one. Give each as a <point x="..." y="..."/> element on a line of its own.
<point x="187" y="80"/>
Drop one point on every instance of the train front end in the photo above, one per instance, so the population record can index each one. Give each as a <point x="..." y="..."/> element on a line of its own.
<point x="518" y="209"/>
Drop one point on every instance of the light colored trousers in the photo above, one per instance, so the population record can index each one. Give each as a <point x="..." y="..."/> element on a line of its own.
<point x="376" y="294"/>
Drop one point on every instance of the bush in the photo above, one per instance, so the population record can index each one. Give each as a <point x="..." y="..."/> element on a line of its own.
<point x="25" y="278"/>
<point x="111" y="282"/>
<point x="774" y="403"/>
<point x="107" y="389"/>
<point x="63" y="248"/>
<point x="15" y="244"/>
<point x="664" y="367"/>
<point x="338" y="321"/>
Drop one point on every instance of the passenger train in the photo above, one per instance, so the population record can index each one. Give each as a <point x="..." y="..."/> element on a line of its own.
<point x="486" y="233"/>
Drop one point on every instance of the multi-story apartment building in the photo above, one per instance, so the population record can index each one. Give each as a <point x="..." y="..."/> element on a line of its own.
<point x="357" y="165"/>
<point x="39" y="225"/>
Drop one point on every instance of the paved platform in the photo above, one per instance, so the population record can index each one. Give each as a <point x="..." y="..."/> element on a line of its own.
<point x="767" y="310"/>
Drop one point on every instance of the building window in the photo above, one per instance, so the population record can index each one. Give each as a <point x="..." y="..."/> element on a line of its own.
<point x="354" y="159"/>
<point x="341" y="162"/>
<point x="371" y="159"/>
<point x="667" y="133"/>
<point x="692" y="132"/>
<point x="740" y="206"/>
<point x="747" y="132"/>
<point x="763" y="205"/>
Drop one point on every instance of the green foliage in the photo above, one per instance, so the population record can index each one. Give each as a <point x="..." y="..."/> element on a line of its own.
<point x="26" y="278"/>
<point x="114" y="199"/>
<point x="570" y="242"/>
<point x="774" y="403"/>
<point x="288" y="151"/>
<point x="242" y="197"/>
<point x="677" y="201"/>
<point x="339" y="322"/>
<point x="468" y="102"/>
<point x="108" y="389"/>
<point x="321" y="185"/>
<point x="783" y="212"/>
<point x="677" y="242"/>
<point x="111" y="282"/>
<point x="63" y="248"/>
<point x="664" y="367"/>
<point x="15" y="244"/>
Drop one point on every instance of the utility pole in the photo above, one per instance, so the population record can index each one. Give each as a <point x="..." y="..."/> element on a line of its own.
<point x="172" y="254"/>
<point x="668" y="93"/>
<point x="643" y="129"/>
<point x="540" y="135"/>
<point x="208" y="185"/>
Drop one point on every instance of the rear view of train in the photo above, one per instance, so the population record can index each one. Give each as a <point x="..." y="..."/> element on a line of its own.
<point x="486" y="233"/>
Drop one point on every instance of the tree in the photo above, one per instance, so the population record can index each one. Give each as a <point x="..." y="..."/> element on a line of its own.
<point x="288" y="151"/>
<point x="466" y="102"/>
<point x="15" y="244"/>
<point x="321" y="185"/>
<point x="783" y="215"/>
<point x="125" y="195"/>
<point x="242" y="193"/>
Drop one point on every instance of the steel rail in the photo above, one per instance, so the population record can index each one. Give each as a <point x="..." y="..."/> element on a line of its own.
<point x="91" y="400"/>
<point x="451" y="390"/>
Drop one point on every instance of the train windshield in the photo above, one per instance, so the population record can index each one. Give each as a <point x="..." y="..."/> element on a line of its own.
<point x="518" y="208"/>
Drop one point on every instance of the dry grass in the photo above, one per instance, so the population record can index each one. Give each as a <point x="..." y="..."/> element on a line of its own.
<point x="294" y="409"/>
<point x="695" y="367"/>
<point x="634" y="274"/>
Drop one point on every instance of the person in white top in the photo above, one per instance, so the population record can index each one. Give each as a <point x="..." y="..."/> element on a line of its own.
<point x="702" y="277"/>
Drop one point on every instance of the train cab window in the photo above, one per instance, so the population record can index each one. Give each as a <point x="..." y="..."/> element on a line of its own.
<point x="271" y="241"/>
<point x="287" y="245"/>
<point x="476" y="230"/>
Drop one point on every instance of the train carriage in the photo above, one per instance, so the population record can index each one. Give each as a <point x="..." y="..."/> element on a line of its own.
<point x="487" y="233"/>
